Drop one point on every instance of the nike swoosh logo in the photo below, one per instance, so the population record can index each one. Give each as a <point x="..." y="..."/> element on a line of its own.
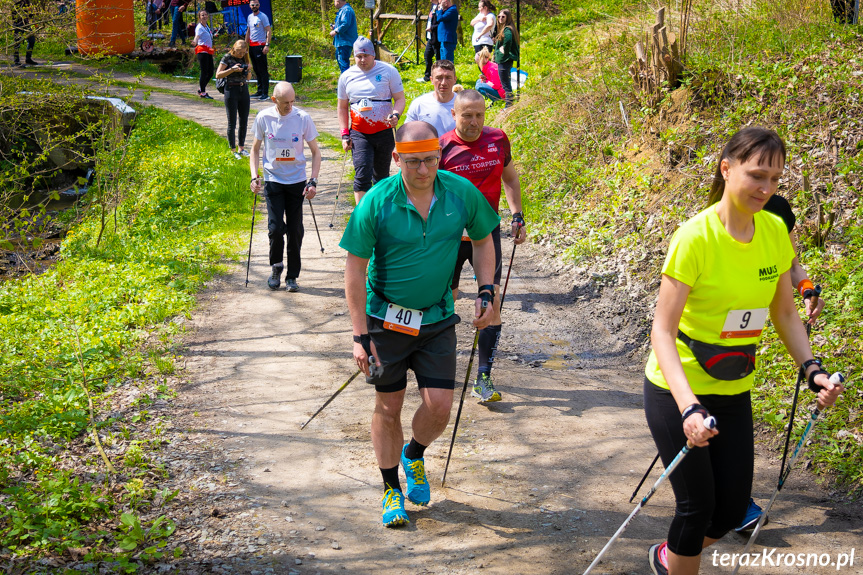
<point x="451" y="213"/>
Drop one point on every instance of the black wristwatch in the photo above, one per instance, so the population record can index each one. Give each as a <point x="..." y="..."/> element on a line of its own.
<point x="362" y="338"/>
<point x="805" y="365"/>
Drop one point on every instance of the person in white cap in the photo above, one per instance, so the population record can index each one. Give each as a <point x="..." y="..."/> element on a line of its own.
<point x="371" y="99"/>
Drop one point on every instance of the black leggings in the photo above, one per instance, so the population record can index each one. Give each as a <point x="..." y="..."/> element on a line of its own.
<point x="205" y="60"/>
<point x="237" y="102"/>
<point x="712" y="484"/>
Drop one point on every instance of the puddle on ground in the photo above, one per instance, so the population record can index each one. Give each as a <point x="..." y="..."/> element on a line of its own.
<point x="550" y="353"/>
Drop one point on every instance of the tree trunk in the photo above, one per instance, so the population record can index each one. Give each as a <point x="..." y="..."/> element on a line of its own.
<point x="324" y="16"/>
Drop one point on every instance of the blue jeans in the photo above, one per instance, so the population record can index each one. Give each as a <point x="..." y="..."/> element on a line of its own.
<point x="447" y="51"/>
<point x="487" y="91"/>
<point x="343" y="57"/>
<point x="177" y="30"/>
<point x="503" y="70"/>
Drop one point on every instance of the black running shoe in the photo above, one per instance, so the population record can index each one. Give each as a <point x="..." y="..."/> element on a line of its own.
<point x="275" y="280"/>
<point x="291" y="285"/>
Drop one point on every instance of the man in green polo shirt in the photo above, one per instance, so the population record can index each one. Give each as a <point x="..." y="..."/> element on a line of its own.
<point x="406" y="234"/>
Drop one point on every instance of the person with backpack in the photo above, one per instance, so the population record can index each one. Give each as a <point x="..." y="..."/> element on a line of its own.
<point x="235" y="69"/>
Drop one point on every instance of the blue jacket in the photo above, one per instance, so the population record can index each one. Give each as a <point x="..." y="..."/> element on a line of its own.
<point x="345" y="27"/>
<point x="447" y="24"/>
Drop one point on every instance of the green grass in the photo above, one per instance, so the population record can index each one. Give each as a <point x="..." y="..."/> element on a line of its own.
<point x="96" y="310"/>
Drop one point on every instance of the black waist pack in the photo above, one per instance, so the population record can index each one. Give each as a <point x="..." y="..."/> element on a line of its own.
<point x="724" y="362"/>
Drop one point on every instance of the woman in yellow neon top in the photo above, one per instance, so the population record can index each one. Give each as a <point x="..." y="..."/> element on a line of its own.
<point x="726" y="270"/>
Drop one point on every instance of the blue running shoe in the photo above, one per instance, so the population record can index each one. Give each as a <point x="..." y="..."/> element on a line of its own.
<point x="753" y="514"/>
<point x="418" y="486"/>
<point x="394" y="508"/>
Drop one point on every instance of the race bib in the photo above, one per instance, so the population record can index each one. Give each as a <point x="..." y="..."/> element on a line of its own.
<point x="285" y="155"/>
<point x="741" y="323"/>
<point x="403" y="319"/>
<point x="364" y="105"/>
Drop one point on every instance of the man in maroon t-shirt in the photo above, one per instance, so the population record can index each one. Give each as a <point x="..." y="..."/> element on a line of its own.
<point x="482" y="155"/>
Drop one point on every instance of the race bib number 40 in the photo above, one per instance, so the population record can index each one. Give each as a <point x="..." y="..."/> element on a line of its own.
<point x="403" y="319"/>
<point x="742" y="323"/>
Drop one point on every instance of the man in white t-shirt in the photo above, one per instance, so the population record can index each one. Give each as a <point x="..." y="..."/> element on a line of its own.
<point x="258" y="36"/>
<point x="435" y="107"/>
<point x="282" y="129"/>
<point x="371" y="99"/>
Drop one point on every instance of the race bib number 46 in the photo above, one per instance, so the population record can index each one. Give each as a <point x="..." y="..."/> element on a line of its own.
<point x="742" y="323"/>
<point x="403" y="319"/>
<point x="285" y="155"/>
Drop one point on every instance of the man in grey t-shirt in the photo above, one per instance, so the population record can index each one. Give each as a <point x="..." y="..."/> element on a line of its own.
<point x="436" y="106"/>
<point x="281" y="131"/>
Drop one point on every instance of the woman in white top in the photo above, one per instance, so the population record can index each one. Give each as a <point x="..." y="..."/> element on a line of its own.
<point x="203" y="44"/>
<point x="483" y="25"/>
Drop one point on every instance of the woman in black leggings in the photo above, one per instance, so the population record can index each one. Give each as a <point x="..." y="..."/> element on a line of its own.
<point x="236" y="68"/>
<point x="727" y="269"/>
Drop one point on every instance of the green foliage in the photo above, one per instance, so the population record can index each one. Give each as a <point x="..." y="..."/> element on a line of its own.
<point x="608" y="191"/>
<point x="177" y="218"/>
<point x="152" y="541"/>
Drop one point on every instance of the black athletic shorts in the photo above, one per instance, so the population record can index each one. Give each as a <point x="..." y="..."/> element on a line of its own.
<point x="465" y="254"/>
<point x="431" y="355"/>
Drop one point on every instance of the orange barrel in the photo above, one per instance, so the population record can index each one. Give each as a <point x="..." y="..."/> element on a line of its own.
<point x="105" y="27"/>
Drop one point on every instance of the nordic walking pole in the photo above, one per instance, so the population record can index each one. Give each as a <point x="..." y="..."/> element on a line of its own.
<point x="251" y="233"/>
<point x="460" y="404"/>
<point x="800" y="377"/>
<point x="338" y="189"/>
<point x="316" y="226"/>
<point x="814" y="303"/>
<point x="502" y="298"/>
<point x="338" y="391"/>
<point x="709" y="423"/>
<point x="646" y="473"/>
<point x="835" y="379"/>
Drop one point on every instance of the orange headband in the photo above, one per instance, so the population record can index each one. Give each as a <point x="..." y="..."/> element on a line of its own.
<point x="430" y="145"/>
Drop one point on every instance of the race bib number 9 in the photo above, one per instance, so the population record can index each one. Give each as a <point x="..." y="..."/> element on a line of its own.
<point x="403" y="319"/>
<point x="285" y="155"/>
<point x="742" y="323"/>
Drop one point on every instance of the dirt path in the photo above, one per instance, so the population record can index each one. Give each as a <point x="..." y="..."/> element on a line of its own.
<point x="538" y="482"/>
